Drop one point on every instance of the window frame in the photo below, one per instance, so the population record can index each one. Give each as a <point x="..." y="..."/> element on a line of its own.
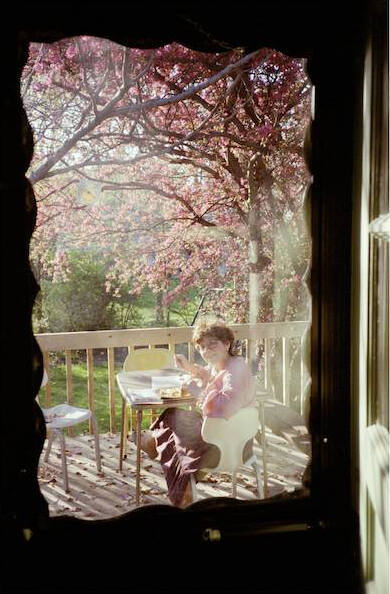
<point x="333" y="167"/>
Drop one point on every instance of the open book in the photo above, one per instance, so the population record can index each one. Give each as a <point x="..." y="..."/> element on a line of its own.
<point x="142" y="395"/>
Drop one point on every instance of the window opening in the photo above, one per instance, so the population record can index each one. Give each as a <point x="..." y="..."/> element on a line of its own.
<point x="171" y="185"/>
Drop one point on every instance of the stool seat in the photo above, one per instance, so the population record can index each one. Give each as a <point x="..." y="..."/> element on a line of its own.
<point x="65" y="415"/>
<point x="60" y="417"/>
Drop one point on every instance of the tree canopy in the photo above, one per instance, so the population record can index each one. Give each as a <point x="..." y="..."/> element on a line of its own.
<point x="186" y="168"/>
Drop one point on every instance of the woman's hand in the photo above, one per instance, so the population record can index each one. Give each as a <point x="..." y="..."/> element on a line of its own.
<point x="182" y="362"/>
<point x="195" y="370"/>
<point x="202" y="374"/>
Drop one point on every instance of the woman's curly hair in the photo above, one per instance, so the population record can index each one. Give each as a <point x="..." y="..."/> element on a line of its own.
<point x="213" y="329"/>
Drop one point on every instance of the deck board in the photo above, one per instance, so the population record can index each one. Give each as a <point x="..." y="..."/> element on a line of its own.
<point x="96" y="495"/>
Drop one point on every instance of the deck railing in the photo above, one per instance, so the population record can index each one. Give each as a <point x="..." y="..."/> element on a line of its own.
<point x="258" y="342"/>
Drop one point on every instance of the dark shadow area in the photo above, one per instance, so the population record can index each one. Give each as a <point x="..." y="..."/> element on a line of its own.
<point x="286" y="544"/>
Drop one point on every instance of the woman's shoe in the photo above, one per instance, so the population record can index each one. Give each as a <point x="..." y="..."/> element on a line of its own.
<point x="187" y="498"/>
<point x="148" y="443"/>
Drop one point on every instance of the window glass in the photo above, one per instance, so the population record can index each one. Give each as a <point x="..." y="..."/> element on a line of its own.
<point x="171" y="188"/>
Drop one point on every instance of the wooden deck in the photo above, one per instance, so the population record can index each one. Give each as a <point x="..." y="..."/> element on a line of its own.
<point x="111" y="493"/>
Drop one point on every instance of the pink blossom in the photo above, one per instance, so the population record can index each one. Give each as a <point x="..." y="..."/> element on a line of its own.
<point x="264" y="130"/>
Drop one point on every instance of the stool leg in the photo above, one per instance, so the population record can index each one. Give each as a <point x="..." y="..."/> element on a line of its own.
<point x="63" y="457"/>
<point x="260" y="489"/>
<point x="97" y="444"/>
<point x="49" y="444"/>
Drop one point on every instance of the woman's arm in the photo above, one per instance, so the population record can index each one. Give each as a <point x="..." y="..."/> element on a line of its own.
<point x="195" y="370"/>
<point x="228" y="394"/>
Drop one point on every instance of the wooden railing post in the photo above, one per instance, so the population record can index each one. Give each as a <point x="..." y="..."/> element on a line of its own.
<point x="285" y="372"/>
<point x="90" y="385"/>
<point x="250" y="351"/>
<point x="69" y="383"/>
<point x="191" y="352"/>
<point x="46" y="362"/>
<point x="133" y="416"/>
<point x="267" y="364"/>
<point x="111" y="387"/>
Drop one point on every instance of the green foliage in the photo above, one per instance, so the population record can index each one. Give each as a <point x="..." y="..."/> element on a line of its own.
<point x="177" y="313"/>
<point x="80" y="302"/>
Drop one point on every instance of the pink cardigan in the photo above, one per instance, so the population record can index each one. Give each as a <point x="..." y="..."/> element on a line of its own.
<point x="228" y="390"/>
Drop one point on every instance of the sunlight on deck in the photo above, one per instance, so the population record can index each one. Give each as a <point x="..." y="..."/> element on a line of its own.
<point x="112" y="493"/>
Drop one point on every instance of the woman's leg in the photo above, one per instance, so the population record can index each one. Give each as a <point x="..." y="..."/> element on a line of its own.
<point x="180" y="447"/>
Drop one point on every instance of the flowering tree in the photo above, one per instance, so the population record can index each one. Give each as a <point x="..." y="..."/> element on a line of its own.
<point x="194" y="163"/>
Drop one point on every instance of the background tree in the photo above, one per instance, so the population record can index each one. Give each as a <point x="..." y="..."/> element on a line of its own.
<point x="195" y="162"/>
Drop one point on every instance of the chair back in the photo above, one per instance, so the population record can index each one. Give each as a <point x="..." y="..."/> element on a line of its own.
<point x="153" y="358"/>
<point x="231" y="435"/>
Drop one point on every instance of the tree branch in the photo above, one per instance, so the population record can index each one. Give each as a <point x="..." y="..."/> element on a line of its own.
<point x="191" y="91"/>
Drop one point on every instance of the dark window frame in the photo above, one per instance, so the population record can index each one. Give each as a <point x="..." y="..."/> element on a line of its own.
<point x="327" y="512"/>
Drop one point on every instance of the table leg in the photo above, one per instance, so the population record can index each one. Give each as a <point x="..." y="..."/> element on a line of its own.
<point x="122" y="434"/>
<point x="138" y="467"/>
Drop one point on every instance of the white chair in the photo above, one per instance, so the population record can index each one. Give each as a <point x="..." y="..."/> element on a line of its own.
<point x="230" y="436"/>
<point x="153" y="358"/>
<point x="60" y="417"/>
<point x="141" y="360"/>
<point x="262" y="398"/>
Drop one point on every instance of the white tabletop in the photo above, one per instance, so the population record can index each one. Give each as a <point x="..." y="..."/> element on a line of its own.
<point x="136" y="386"/>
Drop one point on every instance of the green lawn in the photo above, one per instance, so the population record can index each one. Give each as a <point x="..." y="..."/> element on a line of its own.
<point x="80" y="394"/>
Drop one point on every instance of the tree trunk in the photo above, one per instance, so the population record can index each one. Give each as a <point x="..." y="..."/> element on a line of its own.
<point x="258" y="261"/>
<point x="38" y="303"/>
<point x="255" y="286"/>
<point x="259" y="186"/>
<point x="159" y="308"/>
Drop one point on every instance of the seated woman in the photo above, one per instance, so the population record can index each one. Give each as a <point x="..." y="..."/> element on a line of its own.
<point x="226" y="386"/>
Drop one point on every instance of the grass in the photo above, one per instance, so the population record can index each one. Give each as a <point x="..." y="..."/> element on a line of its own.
<point x="148" y="316"/>
<point x="80" y="395"/>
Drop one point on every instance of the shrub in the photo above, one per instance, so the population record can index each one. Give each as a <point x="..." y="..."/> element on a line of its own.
<point x="81" y="301"/>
